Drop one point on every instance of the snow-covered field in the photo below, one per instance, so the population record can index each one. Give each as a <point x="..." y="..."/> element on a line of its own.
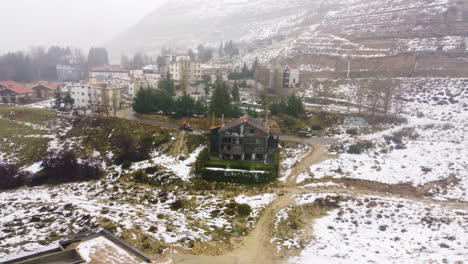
<point x="33" y="218"/>
<point x="387" y="230"/>
<point x="436" y="148"/>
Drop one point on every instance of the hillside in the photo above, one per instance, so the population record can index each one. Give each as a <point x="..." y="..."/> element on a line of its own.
<point x="421" y="37"/>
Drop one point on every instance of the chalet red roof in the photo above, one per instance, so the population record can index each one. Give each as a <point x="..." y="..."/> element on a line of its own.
<point x="15" y="87"/>
<point x="293" y="66"/>
<point x="50" y="85"/>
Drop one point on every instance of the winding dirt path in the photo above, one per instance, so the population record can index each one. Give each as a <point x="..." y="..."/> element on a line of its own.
<point x="317" y="155"/>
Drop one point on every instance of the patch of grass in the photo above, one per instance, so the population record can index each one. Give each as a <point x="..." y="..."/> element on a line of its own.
<point x="130" y="141"/>
<point x="29" y="115"/>
<point x="22" y="142"/>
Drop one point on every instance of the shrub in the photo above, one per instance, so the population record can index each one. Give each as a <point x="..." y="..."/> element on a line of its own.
<point x="63" y="167"/>
<point x="352" y="131"/>
<point x="244" y="209"/>
<point x="355" y="149"/>
<point x="11" y="177"/>
<point x="139" y="176"/>
<point x="177" y="205"/>
<point x="126" y="164"/>
<point x="290" y="122"/>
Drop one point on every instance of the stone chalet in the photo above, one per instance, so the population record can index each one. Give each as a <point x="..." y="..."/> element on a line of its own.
<point x="245" y="139"/>
<point x="12" y="92"/>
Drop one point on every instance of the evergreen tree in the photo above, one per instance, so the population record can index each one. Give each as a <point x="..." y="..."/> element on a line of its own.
<point x="254" y="68"/>
<point x="184" y="106"/>
<point x="207" y="83"/>
<point x="221" y="99"/>
<point x="167" y="84"/>
<point x="191" y="55"/>
<point x="235" y="92"/>
<point x="143" y="102"/>
<point x="245" y="71"/>
<point x="98" y="57"/>
<point x="295" y="106"/>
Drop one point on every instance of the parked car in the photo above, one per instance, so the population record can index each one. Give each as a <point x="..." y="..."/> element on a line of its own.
<point x="304" y="133"/>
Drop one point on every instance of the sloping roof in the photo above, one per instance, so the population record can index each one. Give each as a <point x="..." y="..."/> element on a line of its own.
<point x="246" y="119"/>
<point x="50" y="85"/>
<point x="107" y="234"/>
<point x="71" y="255"/>
<point x="292" y="66"/>
<point x="16" y="87"/>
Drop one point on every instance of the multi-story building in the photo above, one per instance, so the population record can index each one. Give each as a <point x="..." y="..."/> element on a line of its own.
<point x="291" y="76"/>
<point x="181" y="66"/>
<point x="244" y="139"/>
<point x="102" y="74"/>
<point x="97" y="97"/>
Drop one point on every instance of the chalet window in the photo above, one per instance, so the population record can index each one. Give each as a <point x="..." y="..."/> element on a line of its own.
<point x="226" y="140"/>
<point x="251" y="131"/>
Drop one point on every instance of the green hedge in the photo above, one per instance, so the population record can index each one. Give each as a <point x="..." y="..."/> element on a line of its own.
<point x="245" y="177"/>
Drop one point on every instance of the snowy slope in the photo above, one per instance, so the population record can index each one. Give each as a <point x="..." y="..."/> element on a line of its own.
<point x="386" y="230"/>
<point x="437" y="112"/>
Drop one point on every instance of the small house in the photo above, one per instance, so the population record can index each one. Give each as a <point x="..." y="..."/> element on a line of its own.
<point x="354" y="121"/>
<point x="44" y="90"/>
<point x="291" y="76"/>
<point x="245" y="139"/>
<point x="12" y="92"/>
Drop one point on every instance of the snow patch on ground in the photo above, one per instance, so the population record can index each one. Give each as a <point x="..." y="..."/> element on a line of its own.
<point x="387" y="230"/>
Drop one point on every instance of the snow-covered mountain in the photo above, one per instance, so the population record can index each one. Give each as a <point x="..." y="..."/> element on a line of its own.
<point x="189" y="22"/>
<point x="316" y="33"/>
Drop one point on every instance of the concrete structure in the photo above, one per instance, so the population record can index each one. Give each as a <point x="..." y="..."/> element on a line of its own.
<point x="101" y="74"/>
<point x="244" y="139"/>
<point x="181" y="65"/>
<point x="67" y="73"/>
<point x="291" y="76"/>
<point x="44" y="90"/>
<point x="98" y="97"/>
<point x="13" y="92"/>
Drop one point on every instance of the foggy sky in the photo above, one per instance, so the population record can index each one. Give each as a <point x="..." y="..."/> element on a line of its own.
<point x="80" y="23"/>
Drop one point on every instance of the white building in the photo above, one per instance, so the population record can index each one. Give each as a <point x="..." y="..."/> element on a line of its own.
<point x="101" y="74"/>
<point x="291" y="76"/>
<point x="95" y="97"/>
<point x="178" y="65"/>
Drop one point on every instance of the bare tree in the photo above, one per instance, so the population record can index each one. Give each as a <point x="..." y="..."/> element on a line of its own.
<point x="115" y="102"/>
<point x="184" y="75"/>
<point x="399" y="98"/>
<point x="375" y="95"/>
<point x="38" y="55"/>
<point x="105" y="101"/>
<point x="262" y="75"/>
<point x="277" y="80"/>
